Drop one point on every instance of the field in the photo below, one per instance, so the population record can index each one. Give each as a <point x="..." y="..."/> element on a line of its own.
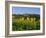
<point x="21" y="22"/>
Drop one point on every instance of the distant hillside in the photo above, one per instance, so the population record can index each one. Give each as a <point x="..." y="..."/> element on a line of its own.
<point x="26" y="15"/>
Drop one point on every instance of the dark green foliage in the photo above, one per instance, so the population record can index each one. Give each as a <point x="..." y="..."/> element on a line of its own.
<point x="21" y="25"/>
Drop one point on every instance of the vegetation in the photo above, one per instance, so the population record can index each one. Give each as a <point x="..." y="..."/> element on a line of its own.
<point x="25" y="22"/>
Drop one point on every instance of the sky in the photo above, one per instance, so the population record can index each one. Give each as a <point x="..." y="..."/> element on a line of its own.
<point x="25" y="10"/>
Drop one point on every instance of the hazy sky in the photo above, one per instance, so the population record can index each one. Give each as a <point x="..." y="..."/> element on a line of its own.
<point x="24" y="10"/>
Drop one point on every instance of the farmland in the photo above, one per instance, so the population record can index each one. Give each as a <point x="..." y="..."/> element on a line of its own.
<point x="21" y="22"/>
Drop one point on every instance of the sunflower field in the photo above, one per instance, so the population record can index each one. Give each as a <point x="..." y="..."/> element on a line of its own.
<point x="21" y="22"/>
